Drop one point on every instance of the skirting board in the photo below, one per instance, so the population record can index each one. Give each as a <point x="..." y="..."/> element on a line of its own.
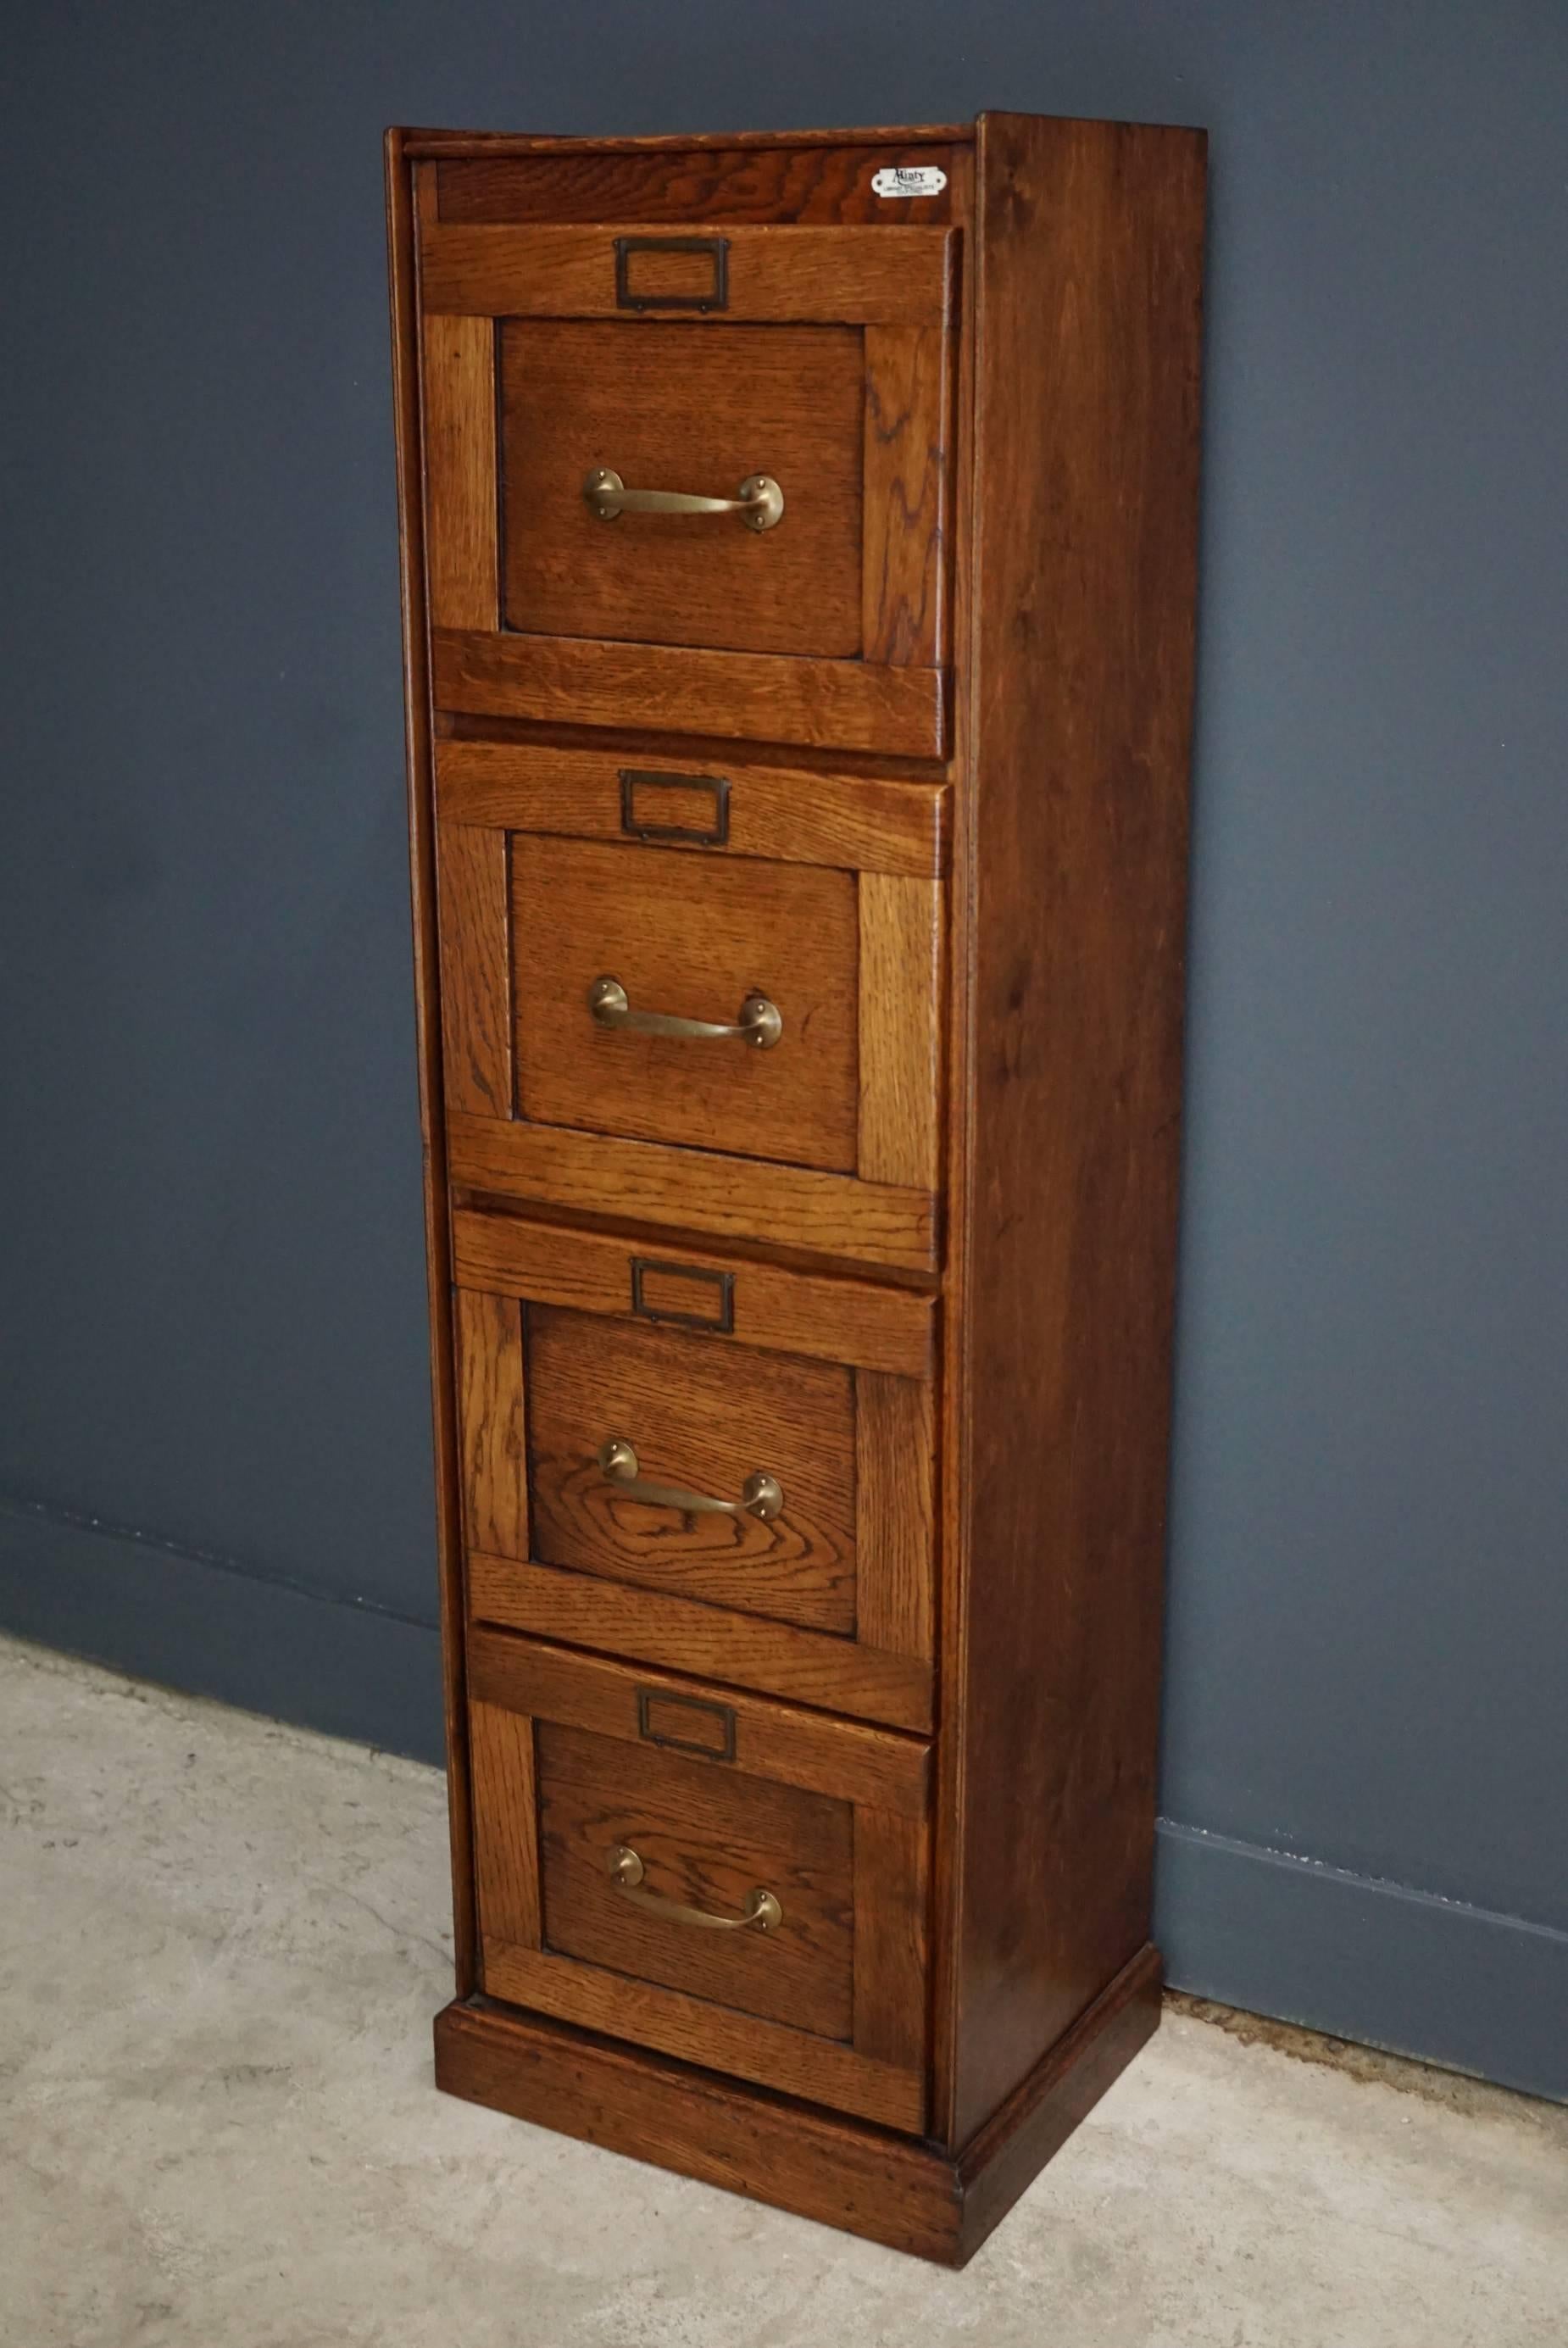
<point x="151" y="1610"/>
<point x="1430" y="1978"/>
<point x="1458" y="1986"/>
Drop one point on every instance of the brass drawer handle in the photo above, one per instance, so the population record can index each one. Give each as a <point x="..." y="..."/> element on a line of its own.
<point x="762" y="1912"/>
<point x="760" y="1022"/>
<point x="758" y="502"/>
<point x="761" y="1495"/>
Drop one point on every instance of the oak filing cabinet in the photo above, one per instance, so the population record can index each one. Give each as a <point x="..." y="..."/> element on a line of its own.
<point x="798" y="540"/>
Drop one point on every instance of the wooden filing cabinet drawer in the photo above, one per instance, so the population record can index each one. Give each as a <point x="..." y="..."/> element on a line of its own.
<point x="588" y="901"/>
<point x="704" y="1872"/>
<point x="726" y="1467"/>
<point x="795" y="382"/>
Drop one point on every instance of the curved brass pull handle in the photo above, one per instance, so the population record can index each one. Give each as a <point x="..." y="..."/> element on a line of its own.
<point x="758" y="502"/>
<point x="762" y="1912"/>
<point x="760" y="1022"/>
<point x="761" y="1495"/>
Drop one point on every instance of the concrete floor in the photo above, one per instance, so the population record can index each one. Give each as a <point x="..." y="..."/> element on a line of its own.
<point x="221" y="1945"/>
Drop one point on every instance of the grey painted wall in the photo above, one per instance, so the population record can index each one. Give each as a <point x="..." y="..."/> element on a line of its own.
<point x="215" y="1425"/>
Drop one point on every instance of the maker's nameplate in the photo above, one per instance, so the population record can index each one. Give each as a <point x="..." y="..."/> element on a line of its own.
<point x="909" y="180"/>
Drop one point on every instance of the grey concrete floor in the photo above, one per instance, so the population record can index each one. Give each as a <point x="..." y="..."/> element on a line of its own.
<point x="221" y="1945"/>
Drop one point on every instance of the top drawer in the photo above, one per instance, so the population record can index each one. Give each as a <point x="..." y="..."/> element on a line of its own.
<point x="575" y="377"/>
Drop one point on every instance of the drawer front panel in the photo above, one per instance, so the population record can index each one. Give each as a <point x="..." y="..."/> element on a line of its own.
<point x="665" y="406"/>
<point x="594" y="1429"/>
<point x="753" y="1897"/>
<point x="703" y="1418"/>
<point x="696" y="939"/>
<point x="708" y="1840"/>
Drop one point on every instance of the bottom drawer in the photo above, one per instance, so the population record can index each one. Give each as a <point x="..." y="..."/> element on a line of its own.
<point x="722" y="1878"/>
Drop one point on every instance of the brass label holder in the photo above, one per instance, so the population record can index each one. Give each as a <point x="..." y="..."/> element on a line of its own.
<point x="634" y="780"/>
<point x="715" y="249"/>
<point x="721" y="1284"/>
<point x="718" y="1744"/>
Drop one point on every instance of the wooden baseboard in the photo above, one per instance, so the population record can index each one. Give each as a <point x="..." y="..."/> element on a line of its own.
<point x="868" y="2180"/>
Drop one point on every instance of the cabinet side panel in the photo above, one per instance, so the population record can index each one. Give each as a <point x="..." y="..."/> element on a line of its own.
<point x="1088" y="253"/>
<point x="426" y="999"/>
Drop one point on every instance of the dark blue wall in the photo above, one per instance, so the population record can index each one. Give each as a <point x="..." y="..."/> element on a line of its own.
<point x="215" y="1422"/>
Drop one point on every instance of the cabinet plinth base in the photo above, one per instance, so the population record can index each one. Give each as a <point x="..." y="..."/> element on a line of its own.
<point x="866" y="2180"/>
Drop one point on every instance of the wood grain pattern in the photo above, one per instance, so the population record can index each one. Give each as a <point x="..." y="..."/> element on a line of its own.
<point x="812" y="185"/>
<point x="401" y="271"/>
<point x="476" y="992"/>
<point x="703" y="1418"/>
<point x="707" y="1837"/>
<point x="1089" y="247"/>
<point x="870" y="1223"/>
<point x="458" y="357"/>
<point x="893" y="1891"/>
<point x="907" y="456"/>
<point x="895" y="1514"/>
<point x="901" y="1022"/>
<point x="747" y="1651"/>
<point x="896" y="2190"/>
<point x="671" y="406"/>
<point x="796" y="2062"/>
<point x="756" y="697"/>
<point x="784" y="814"/>
<point x="506" y="1839"/>
<point x="831" y="1319"/>
<point x="690" y="936"/>
<point x="488" y="1332"/>
<point x="844" y="1758"/>
<point x="492" y="145"/>
<point x="851" y="276"/>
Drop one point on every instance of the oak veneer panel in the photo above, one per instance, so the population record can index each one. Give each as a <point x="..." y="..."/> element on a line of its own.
<point x="870" y="1223"/>
<point x="458" y="419"/>
<point x="1087" y="252"/>
<point x="701" y="1417"/>
<point x="476" y="1002"/>
<point x="900" y="980"/>
<point x="725" y="182"/>
<point x="488" y="1331"/>
<point x="840" y="1757"/>
<point x="758" y="696"/>
<point x="709" y="1836"/>
<point x="832" y="1320"/>
<point x="895" y="1532"/>
<point x="908" y="447"/>
<point x="672" y="405"/>
<point x="782" y="813"/>
<point x="838" y="1674"/>
<point x="770" y="2053"/>
<point x="891" y="1889"/>
<point x="777" y="275"/>
<point x="690" y="936"/>
<point x="506" y="1842"/>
